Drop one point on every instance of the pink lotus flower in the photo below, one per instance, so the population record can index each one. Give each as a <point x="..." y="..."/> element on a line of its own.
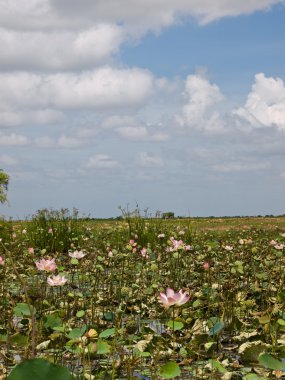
<point x="206" y="265"/>
<point x="56" y="280"/>
<point x="31" y="250"/>
<point x="171" y="298"/>
<point x="132" y="242"/>
<point x="47" y="265"/>
<point x="2" y="261"/>
<point x="76" y="254"/>
<point x="144" y="252"/>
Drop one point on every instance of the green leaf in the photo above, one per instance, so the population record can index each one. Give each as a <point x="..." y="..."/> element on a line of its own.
<point x="269" y="361"/>
<point x="106" y="333"/>
<point x="19" y="339"/>
<point x="217" y="365"/>
<point x="253" y="376"/>
<point x="22" y="309"/>
<point x="108" y="316"/>
<point x="39" y="369"/>
<point x="74" y="261"/>
<point x="102" y="347"/>
<point x="169" y="370"/>
<point x="281" y="322"/>
<point x="80" y="313"/>
<point x="77" y="332"/>
<point x="197" y="303"/>
<point x="52" y="321"/>
<point x="175" y="325"/>
<point x="59" y="328"/>
<point x="215" y="325"/>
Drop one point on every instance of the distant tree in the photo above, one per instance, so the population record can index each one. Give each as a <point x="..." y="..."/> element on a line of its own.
<point x="168" y="215"/>
<point x="4" y="181"/>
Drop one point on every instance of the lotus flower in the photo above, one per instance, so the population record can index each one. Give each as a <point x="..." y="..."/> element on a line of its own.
<point x="172" y="298"/>
<point x="48" y="265"/>
<point x="206" y="265"/>
<point x="56" y="280"/>
<point x="76" y="254"/>
<point x="2" y="261"/>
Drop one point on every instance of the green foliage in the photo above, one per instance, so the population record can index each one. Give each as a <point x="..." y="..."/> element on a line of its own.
<point x="39" y="369"/>
<point x="54" y="230"/>
<point x="168" y="215"/>
<point x="22" y="309"/>
<point x="175" y="325"/>
<point x="102" y="347"/>
<point x="269" y="361"/>
<point x="4" y="182"/>
<point x="169" y="370"/>
<point x="109" y="312"/>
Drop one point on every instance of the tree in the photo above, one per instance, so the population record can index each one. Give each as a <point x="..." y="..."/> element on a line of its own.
<point x="168" y="215"/>
<point x="4" y="181"/>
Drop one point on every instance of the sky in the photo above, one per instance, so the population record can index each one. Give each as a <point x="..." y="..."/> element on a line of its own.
<point x="174" y="106"/>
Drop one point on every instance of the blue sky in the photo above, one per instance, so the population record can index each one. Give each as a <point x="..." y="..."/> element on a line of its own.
<point x="174" y="107"/>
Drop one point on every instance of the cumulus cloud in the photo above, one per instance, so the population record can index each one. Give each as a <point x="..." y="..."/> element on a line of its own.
<point x="199" y="112"/>
<point x="14" y="118"/>
<point x="59" y="51"/>
<point x="101" y="161"/>
<point x="101" y="88"/>
<point x="13" y="140"/>
<point x="62" y="142"/>
<point x="265" y="105"/>
<point x="141" y="133"/>
<point x="147" y="160"/>
<point x="133" y="129"/>
<point x="137" y="15"/>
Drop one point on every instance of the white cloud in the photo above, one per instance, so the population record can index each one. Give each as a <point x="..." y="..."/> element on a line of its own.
<point x="133" y="133"/>
<point x="117" y="121"/>
<point x="147" y="160"/>
<point x="101" y="88"/>
<point x="241" y="166"/>
<point x="62" y="142"/>
<point x="138" y="15"/>
<point x="69" y="142"/>
<point x="141" y="133"/>
<point x="59" y="51"/>
<point x="265" y="105"/>
<point x="13" y="140"/>
<point x="7" y="160"/>
<point x="101" y="161"/>
<point x="13" y="118"/>
<point x="198" y="112"/>
<point x="133" y="129"/>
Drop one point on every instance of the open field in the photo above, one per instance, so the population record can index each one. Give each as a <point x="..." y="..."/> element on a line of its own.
<point x="144" y="298"/>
